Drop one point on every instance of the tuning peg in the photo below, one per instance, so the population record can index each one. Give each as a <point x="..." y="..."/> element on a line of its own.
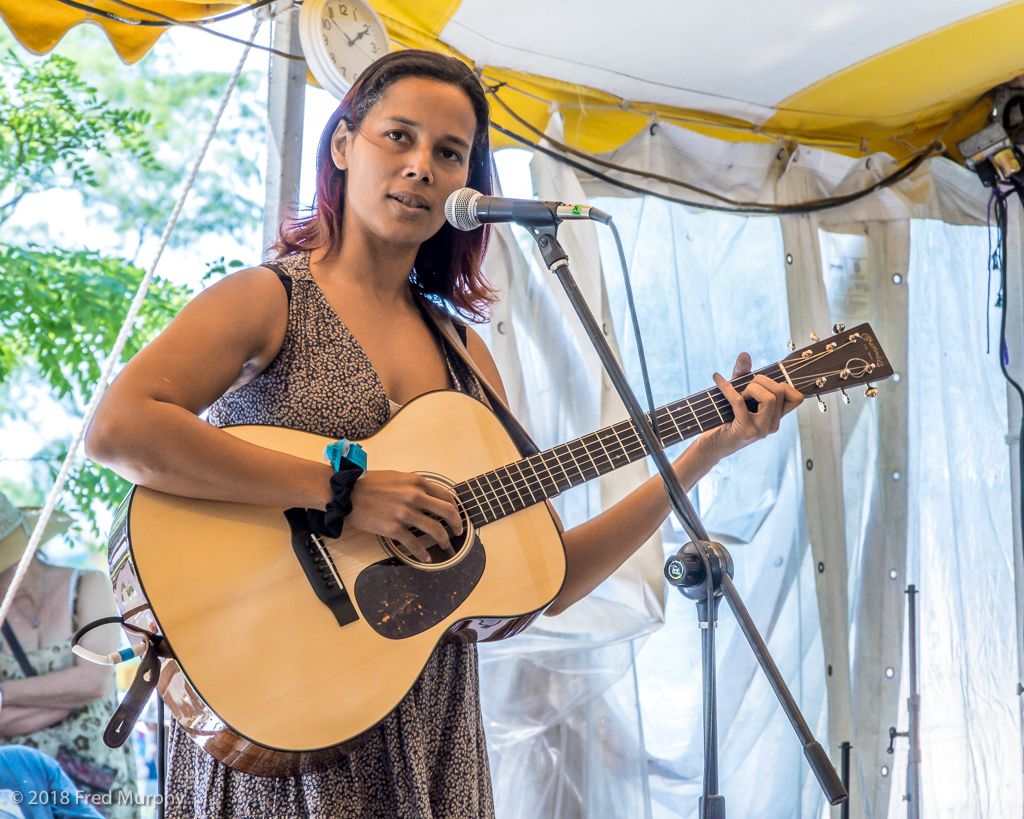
<point x="837" y="328"/>
<point x="846" y="398"/>
<point x="871" y="392"/>
<point x="792" y="345"/>
<point x="821" y="404"/>
<point x="814" y="337"/>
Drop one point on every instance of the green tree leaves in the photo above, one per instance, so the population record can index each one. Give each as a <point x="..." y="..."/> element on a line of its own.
<point x="52" y="127"/>
<point x="137" y="198"/>
<point x="122" y="140"/>
<point x="60" y="311"/>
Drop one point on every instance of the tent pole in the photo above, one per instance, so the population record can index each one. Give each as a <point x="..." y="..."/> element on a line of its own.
<point x="286" y="98"/>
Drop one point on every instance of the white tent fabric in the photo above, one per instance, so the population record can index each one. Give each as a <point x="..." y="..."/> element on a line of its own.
<point x="735" y="70"/>
<point x="960" y="540"/>
<point x="719" y="276"/>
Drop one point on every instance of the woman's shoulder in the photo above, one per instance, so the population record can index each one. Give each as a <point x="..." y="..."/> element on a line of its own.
<point x="481" y="355"/>
<point x="250" y="297"/>
<point x="92" y="599"/>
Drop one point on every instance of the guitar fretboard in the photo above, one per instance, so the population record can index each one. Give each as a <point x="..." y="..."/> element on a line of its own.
<point x="510" y="488"/>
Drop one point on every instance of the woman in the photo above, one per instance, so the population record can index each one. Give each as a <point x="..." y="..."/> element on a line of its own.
<point x="62" y="707"/>
<point x="332" y="340"/>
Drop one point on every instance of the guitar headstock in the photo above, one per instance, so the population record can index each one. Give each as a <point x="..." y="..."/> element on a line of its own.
<point x="848" y="358"/>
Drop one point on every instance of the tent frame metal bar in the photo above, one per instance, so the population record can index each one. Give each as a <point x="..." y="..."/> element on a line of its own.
<point x="286" y="99"/>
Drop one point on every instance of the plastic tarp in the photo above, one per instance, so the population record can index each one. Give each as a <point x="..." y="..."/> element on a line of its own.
<point x="576" y="727"/>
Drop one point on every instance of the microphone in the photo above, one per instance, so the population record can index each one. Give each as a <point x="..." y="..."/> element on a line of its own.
<point x="467" y="209"/>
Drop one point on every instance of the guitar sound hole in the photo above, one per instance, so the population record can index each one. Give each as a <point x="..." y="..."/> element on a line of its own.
<point x="438" y="557"/>
<point x="436" y="553"/>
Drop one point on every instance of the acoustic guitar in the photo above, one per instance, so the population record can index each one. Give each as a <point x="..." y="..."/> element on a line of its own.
<point x="280" y="649"/>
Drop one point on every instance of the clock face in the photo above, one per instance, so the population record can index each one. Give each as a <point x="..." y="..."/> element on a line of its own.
<point x="340" y="38"/>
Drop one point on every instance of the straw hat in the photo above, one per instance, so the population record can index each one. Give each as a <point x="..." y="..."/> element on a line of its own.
<point x="16" y="525"/>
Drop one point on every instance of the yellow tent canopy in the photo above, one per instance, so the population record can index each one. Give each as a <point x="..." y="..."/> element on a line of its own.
<point x="858" y="77"/>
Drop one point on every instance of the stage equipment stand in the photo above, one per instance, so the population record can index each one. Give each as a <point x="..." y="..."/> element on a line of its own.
<point x="702" y="570"/>
<point x="913" y="733"/>
<point x="161" y="758"/>
<point x="844" y="773"/>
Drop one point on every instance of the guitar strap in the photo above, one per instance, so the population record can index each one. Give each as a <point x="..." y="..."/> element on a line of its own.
<point x="444" y="324"/>
<point x="128" y="711"/>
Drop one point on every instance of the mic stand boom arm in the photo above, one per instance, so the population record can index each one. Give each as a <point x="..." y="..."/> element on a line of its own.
<point x="698" y="561"/>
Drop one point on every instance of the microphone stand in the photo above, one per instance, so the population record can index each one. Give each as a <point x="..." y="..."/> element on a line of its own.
<point x="702" y="570"/>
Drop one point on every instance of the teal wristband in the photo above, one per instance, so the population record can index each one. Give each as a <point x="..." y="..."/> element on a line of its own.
<point x="346" y="450"/>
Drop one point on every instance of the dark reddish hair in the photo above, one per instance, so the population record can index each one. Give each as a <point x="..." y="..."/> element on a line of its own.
<point x="447" y="265"/>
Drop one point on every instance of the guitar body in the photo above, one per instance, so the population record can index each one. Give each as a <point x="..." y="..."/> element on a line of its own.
<point x="256" y="668"/>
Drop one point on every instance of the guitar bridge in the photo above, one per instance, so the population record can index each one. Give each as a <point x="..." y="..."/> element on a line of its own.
<point x="318" y="565"/>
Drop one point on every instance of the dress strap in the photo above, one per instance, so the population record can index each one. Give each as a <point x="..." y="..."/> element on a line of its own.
<point x="17" y="650"/>
<point x="76" y="576"/>
<point x="283" y="275"/>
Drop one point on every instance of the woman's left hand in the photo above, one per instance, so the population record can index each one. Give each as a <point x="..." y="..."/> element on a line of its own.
<point x="773" y="401"/>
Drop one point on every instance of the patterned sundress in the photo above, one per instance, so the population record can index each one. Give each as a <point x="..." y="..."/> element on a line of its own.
<point x="81" y="731"/>
<point x="428" y="758"/>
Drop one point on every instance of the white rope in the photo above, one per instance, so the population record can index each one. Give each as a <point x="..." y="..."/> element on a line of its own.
<point x="122" y="339"/>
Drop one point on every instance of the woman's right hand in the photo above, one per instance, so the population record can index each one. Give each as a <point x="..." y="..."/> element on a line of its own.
<point x="391" y="504"/>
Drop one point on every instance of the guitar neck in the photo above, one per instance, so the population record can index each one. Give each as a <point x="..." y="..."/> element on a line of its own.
<point x="516" y="486"/>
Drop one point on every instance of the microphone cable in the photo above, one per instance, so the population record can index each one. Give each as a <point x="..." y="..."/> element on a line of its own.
<point x="701" y="551"/>
<point x="1001" y="214"/>
<point x="729" y="205"/>
<point x="626" y="281"/>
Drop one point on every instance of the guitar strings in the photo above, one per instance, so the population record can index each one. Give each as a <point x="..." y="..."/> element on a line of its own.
<point x="593" y="445"/>
<point x="632" y="449"/>
<point x="488" y="493"/>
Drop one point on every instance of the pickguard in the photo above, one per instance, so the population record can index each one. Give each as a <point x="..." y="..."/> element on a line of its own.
<point x="398" y="601"/>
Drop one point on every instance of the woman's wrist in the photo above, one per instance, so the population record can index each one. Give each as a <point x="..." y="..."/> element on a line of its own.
<point x="319" y="491"/>
<point x="697" y="460"/>
<point x="714" y="446"/>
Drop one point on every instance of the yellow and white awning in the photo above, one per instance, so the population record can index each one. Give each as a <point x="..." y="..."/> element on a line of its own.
<point x="40" y="24"/>
<point x="862" y="75"/>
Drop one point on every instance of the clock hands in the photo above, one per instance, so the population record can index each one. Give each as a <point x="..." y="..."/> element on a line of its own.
<point x="360" y="35"/>
<point x="352" y="41"/>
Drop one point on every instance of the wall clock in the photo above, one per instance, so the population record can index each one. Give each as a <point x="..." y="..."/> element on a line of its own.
<point x="340" y="38"/>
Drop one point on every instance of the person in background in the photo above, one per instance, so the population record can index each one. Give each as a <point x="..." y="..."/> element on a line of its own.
<point x="33" y="786"/>
<point x="52" y="700"/>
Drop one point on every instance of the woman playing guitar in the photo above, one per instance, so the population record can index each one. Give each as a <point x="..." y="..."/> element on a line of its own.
<point x="331" y="338"/>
